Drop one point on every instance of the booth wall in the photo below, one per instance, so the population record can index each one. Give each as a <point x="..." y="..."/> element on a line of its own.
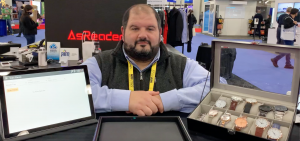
<point x="236" y="27"/>
<point x="102" y="16"/>
<point x="197" y="9"/>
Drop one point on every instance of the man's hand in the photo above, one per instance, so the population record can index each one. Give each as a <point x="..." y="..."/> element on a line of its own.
<point x="298" y="25"/>
<point x="158" y="102"/>
<point x="141" y="104"/>
<point x="295" y="22"/>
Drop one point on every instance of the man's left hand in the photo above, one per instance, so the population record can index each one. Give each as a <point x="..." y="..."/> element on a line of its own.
<point x="157" y="101"/>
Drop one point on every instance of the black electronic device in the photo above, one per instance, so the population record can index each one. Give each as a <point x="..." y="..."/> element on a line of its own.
<point x="7" y="58"/>
<point x="19" y="67"/>
<point x="43" y="102"/>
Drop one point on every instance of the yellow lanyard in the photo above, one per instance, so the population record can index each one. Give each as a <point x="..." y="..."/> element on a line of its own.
<point x="152" y="76"/>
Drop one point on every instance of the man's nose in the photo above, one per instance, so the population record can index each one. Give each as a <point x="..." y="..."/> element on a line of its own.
<point x="143" y="34"/>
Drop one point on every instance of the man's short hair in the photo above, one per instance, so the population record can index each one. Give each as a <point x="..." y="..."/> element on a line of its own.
<point x="144" y="7"/>
<point x="6" y="5"/>
<point x="289" y="9"/>
<point x="294" y="11"/>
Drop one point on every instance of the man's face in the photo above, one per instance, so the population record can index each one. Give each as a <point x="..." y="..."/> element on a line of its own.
<point x="141" y="36"/>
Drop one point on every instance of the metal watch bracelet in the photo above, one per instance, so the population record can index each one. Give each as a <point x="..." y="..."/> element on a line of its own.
<point x="278" y="115"/>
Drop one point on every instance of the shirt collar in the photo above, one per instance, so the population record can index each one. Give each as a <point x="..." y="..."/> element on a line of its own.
<point x="156" y="58"/>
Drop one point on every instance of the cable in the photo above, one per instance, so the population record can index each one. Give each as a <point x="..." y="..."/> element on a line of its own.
<point x="206" y="80"/>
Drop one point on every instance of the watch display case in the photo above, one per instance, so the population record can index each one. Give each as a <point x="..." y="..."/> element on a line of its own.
<point x="254" y="110"/>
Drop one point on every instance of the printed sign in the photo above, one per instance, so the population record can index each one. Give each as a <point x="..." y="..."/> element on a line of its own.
<point x="53" y="50"/>
<point x="72" y="53"/>
<point x="156" y="1"/>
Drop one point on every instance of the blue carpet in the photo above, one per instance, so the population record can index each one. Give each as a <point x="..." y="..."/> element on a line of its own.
<point x="40" y="35"/>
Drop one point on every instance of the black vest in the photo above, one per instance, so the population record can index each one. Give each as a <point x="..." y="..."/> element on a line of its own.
<point x="114" y="68"/>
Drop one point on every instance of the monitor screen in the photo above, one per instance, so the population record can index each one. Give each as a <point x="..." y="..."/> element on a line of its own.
<point x="38" y="100"/>
<point x="283" y="6"/>
<point x="297" y="5"/>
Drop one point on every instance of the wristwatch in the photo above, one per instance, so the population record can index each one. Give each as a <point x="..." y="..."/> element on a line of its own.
<point x="224" y="119"/>
<point x="240" y="123"/>
<point x="234" y="102"/>
<point x="201" y="118"/>
<point x="261" y="124"/>
<point x="248" y="106"/>
<point x="264" y="110"/>
<point x="212" y="114"/>
<point x="274" y="133"/>
<point x="220" y="103"/>
<point x="279" y="112"/>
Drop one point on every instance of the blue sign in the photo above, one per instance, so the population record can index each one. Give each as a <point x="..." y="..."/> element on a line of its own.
<point x="188" y="1"/>
<point x="171" y="0"/>
<point x="205" y="0"/>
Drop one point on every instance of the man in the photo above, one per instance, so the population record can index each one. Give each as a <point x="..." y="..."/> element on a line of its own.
<point x="280" y="23"/>
<point x="6" y="12"/>
<point x="201" y="18"/>
<point x="288" y="22"/>
<point x="176" y="82"/>
<point x="19" y="17"/>
<point x="260" y="19"/>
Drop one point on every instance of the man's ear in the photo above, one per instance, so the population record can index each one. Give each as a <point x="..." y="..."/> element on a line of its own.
<point x="123" y="32"/>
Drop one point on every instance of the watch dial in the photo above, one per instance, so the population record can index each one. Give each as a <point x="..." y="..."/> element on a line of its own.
<point x="265" y="108"/>
<point x="235" y="98"/>
<point x="241" y="122"/>
<point x="251" y="100"/>
<point x="262" y="123"/>
<point x="220" y="104"/>
<point x="281" y="108"/>
<point x="226" y="117"/>
<point x="274" y="133"/>
<point x="213" y="112"/>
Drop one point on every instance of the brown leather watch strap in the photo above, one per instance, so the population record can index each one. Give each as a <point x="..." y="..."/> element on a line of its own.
<point x="233" y="105"/>
<point x="259" y="132"/>
<point x="237" y="128"/>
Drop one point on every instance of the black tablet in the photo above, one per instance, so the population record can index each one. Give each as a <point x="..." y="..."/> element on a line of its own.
<point x="37" y="100"/>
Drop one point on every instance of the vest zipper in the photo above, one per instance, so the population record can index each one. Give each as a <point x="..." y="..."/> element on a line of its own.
<point x="141" y="81"/>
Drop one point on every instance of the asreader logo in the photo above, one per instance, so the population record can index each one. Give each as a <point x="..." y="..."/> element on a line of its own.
<point x="96" y="37"/>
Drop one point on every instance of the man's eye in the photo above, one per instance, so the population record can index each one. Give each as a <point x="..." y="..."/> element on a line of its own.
<point x="134" y="29"/>
<point x="150" y="29"/>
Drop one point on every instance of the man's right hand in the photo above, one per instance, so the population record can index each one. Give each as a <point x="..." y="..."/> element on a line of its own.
<point x="141" y="103"/>
<point x="295" y="22"/>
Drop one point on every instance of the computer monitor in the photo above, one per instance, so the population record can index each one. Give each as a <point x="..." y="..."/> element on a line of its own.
<point x="36" y="100"/>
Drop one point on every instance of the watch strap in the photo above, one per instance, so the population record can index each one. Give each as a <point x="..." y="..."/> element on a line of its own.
<point x="276" y="126"/>
<point x="263" y="113"/>
<point x="237" y="128"/>
<point x="247" y="108"/>
<point x="259" y="132"/>
<point x="233" y="105"/>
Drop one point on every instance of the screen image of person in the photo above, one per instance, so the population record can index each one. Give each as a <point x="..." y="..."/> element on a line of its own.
<point x="140" y="76"/>
<point x="50" y="92"/>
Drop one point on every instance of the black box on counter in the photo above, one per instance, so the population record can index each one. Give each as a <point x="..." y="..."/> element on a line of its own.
<point x="257" y="103"/>
<point x="141" y="128"/>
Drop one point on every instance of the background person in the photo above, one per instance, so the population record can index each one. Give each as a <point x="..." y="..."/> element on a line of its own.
<point x="280" y="23"/>
<point x="20" y="24"/>
<point x="192" y="21"/>
<point x="6" y="15"/>
<point x="260" y="19"/>
<point x="29" y="26"/>
<point x="288" y="22"/>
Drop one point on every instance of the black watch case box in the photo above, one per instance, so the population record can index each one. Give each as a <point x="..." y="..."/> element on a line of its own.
<point x="131" y="128"/>
<point x="218" y="91"/>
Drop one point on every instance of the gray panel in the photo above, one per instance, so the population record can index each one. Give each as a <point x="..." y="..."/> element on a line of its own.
<point x="140" y="131"/>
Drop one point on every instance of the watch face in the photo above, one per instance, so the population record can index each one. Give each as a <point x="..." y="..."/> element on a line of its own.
<point x="220" y="104"/>
<point x="265" y="108"/>
<point x="226" y="117"/>
<point x="274" y="133"/>
<point x="241" y="122"/>
<point x="213" y="112"/>
<point x="251" y="100"/>
<point x="262" y="123"/>
<point x="280" y="108"/>
<point x="235" y="98"/>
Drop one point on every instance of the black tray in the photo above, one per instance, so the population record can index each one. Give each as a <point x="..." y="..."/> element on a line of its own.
<point x="141" y="129"/>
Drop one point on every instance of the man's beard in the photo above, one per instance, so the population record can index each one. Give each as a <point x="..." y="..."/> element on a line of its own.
<point x="143" y="55"/>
